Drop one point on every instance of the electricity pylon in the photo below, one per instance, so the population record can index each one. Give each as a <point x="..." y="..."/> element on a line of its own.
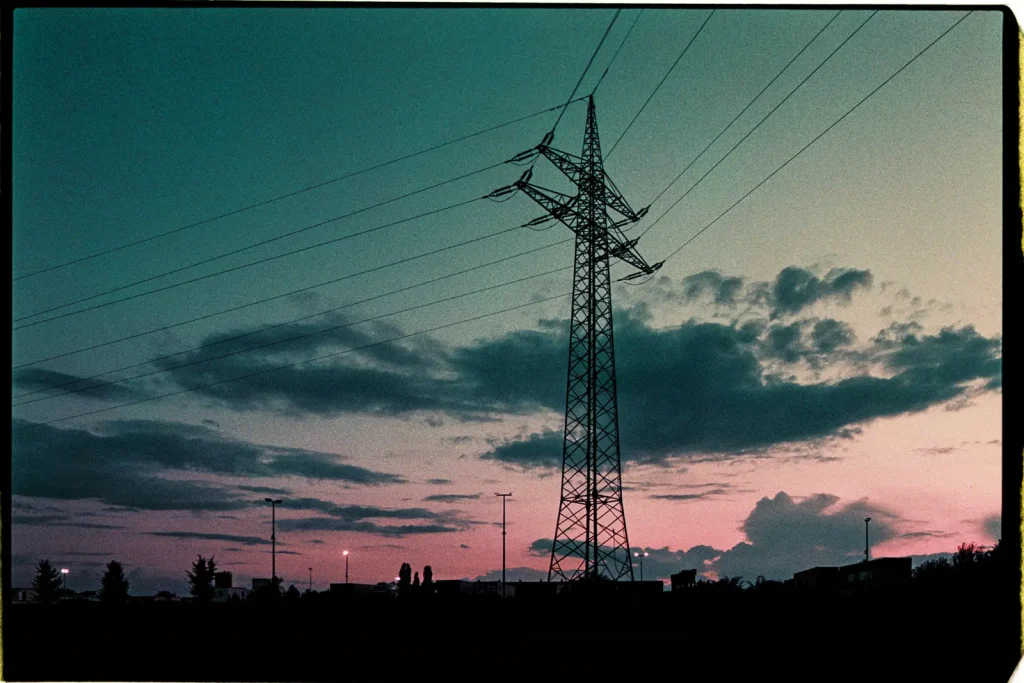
<point x="590" y="538"/>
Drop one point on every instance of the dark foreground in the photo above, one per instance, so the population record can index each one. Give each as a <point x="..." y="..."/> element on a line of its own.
<point x="719" y="638"/>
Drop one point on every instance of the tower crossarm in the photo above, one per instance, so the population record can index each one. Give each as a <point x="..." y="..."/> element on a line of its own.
<point x="574" y="168"/>
<point x="564" y="208"/>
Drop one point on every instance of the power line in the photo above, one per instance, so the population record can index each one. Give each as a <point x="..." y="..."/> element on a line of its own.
<point x="289" y="365"/>
<point x="295" y="192"/>
<point x="658" y="87"/>
<point x="624" y="39"/>
<point x="587" y="68"/>
<point x="278" y="296"/>
<point x="749" y="105"/>
<point x="756" y="126"/>
<point x="247" y="265"/>
<point x="252" y="246"/>
<point x="897" y="72"/>
<point x="279" y="341"/>
<point x="820" y="135"/>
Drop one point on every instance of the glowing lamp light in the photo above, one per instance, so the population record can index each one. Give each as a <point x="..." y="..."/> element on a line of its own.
<point x="344" y="552"/>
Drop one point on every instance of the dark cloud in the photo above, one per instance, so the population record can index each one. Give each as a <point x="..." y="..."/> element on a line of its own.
<point x="382" y="379"/>
<point x="439" y="482"/>
<point x="829" y="334"/>
<point x="244" y="540"/>
<point x="711" y="493"/>
<point x="932" y="533"/>
<point x="464" y="546"/>
<point x="32" y="379"/>
<point x="317" y="541"/>
<point x="658" y="564"/>
<point x="536" y="450"/>
<point x="708" y="391"/>
<point x="86" y="554"/>
<point x="58" y="520"/>
<point x="121" y="464"/>
<point x="797" y="288"/>
<point x="695" y="389"/>
<point x="357" y="518"/>
<point x="723" y="290"/>
<point x="263" y="489"/>
<point x="75" y="464"/>
<point x="451" y="497"/>
<point x="784" y="342"/>
<point x="936" y="450"/>
<point x="786" y="536"/>
<point x="395" y="531"/>
<point x="32" y="507"/>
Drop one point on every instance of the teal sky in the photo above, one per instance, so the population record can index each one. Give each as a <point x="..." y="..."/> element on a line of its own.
<point x="130" y="123"/>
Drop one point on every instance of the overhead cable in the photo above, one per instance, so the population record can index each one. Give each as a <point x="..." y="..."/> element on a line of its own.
<point x="820" y="135"/>
<point x="252" y="246"/>
<point x="293" y="193"/>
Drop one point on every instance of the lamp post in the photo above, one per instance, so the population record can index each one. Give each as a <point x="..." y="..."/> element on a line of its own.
<point x="345" y="553"/>
<point x="273" y="540"/>
<point x="641" y="555"/>
<point x="503" y="497"/>
<point x="64" y="578"/>
<point x="310" y="579"/>
<point x="867" y="548"/>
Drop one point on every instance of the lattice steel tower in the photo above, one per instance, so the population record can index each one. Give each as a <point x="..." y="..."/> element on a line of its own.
<point x="590" y="538"/>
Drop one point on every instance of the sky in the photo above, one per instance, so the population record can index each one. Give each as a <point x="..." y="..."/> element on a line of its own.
<point x="828" y="349"/>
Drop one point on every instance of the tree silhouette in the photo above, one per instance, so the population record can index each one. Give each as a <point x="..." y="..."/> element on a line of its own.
<point x="47" y="582"/>
<point x="200" y="579"/>
<point x="292" y="595"/>
<point x="966" y="557"/>
<point x="428" y="580"/>
<point x="729" y="584"/>
<point x="416" y="582"/>
<point x="404" y="577"/>
<point x="114" y="589"/>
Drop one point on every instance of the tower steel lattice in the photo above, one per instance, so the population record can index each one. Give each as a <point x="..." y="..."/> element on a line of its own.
<point x="590" y="538"/>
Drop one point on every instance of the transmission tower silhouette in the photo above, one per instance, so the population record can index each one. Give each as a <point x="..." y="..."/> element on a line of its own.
<point x="590" y="540"/>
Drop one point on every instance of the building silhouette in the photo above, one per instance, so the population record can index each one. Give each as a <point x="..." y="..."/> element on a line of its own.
<point x="687" y="578"/>
<point x="881" y="575"/>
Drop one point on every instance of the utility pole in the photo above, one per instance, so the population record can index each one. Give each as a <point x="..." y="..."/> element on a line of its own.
<point x="503" y="497"/>
<point x="273" y="540"/>
<point x="641" y="555"/>
<point x="345" y="553"/>
<point x="867" y="548"/>
<point x="310" y="579"/>
<point x="590" y="539"/>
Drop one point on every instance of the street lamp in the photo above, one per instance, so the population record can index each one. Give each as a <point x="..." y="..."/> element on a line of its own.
<point x="867" y="548"/>
<point x="641" y="555"/>
<point x="345" y="553"/>
<point x="64" y="578"/>
<point x="273" y="539"/>
<point x="310" y="579"/>
<point x="503" y="497"/>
